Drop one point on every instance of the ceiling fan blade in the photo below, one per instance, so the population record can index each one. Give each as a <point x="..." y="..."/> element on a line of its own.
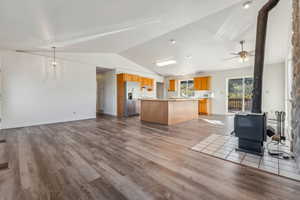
<point x="99" y="35"/>
<point x="231" y="58"/>
<point x="236" y="54"/>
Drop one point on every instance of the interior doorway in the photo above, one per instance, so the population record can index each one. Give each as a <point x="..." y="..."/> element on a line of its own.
<point x="239" y="94"/>
<point x="159" y="90"/>
<point x="101" y="77"/>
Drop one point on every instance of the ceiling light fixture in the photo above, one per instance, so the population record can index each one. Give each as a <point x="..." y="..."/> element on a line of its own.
<point x="54" y="63"/>
<point x="173" y="41"/>
<point x="244" y="59"/>
<point x="53" y="67"/>
<point x="165" y="63"/>
<point x="247" y="5"/>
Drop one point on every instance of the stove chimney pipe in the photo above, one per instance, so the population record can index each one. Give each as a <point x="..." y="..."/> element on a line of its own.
<point x="262" y="21"/>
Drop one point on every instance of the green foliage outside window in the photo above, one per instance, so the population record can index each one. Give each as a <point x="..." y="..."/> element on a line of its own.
<point x="187" y="88"/>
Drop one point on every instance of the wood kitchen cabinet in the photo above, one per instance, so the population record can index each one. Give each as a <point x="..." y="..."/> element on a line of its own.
<point x="197" y="83"/>
<point x="172" y="86"/>
<point x="142" y="82"/>
<point x="135" y="78"/>
<point x="128" y="77"/>
<point x="202" y="83"/>
<point x="147" y="82"/>
<point x="204" y="106"/>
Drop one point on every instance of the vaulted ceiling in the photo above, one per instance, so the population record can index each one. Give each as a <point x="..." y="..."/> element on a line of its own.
<point x="140" y="30"/>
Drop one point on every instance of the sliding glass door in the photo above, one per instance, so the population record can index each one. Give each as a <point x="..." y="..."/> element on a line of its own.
<point x="239" y="94"/>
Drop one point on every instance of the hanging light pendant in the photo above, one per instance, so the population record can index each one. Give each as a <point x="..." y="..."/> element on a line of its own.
<point x="53" y="69"/>
<point x="54" y="63"/>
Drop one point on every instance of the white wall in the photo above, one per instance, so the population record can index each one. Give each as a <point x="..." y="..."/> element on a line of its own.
<point x="117" y="62"/>
<point x="30" y="99"/>
<point x="273" y="87"/>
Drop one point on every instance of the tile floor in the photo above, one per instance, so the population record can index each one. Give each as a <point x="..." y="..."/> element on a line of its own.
<point x="223" y="146"/>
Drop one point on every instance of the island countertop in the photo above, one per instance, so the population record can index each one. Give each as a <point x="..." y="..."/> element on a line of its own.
<point x="149" y="99"/>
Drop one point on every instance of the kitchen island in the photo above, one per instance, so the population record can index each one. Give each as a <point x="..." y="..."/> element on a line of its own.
<point x="168" y="111"/>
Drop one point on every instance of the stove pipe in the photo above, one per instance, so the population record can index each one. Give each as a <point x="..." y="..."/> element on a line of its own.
<point x="262" y="21"/>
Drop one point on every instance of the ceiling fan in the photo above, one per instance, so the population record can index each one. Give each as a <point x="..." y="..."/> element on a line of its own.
<point x="243" y="54"/>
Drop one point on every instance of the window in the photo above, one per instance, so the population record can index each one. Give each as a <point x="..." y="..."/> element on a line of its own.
<point x="187" y="88"/>
<point x="239" y="92"/>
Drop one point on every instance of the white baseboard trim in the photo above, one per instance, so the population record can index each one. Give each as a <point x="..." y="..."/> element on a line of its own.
<point x="28" y="124"/>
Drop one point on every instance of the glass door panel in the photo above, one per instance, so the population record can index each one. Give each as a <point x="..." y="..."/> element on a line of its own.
<point x="235" y="95"/>
<point x="239" y="95"/>
<point x="248" y="84"/>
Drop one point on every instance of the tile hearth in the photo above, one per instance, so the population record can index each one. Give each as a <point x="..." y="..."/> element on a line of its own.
<point x="223" y="147"/>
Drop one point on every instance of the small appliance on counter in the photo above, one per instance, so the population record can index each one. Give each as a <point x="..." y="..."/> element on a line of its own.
<point x="132" y="94"/>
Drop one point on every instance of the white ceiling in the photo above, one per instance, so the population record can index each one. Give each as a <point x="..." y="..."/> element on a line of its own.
<point x="140" y="29"/>
<point x="210" y="41"/>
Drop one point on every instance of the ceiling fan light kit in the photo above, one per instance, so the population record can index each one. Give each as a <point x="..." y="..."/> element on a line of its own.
<point x="247" y="5"/>
<point x="243" y="55"/>
<point x="172" y="41"/>
<point x="244" y="59"/>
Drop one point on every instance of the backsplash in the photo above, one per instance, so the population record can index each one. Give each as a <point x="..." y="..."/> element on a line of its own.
<point x="147" y="94"/>
<point x="203" y="94"/>
<point x="198" y="94"/>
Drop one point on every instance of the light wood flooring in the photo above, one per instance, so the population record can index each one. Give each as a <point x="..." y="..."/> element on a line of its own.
<point x="111" y="158"/>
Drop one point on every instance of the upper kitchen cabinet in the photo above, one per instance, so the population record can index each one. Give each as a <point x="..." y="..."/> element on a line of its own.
<point x="146" y="82"/>
<point x="172" y="85"/>
<point x="202" y="83"/>
<point x="130" y="77"/>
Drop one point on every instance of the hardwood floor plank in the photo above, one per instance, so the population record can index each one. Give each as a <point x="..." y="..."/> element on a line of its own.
<point x="122" y="158"/>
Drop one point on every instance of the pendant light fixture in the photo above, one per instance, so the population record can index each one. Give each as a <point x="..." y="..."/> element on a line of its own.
<point x="53" y="68"/>
<point x="54" y="63"/>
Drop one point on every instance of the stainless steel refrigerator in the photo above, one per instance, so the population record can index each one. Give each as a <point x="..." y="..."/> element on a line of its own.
<point x="132" y="95"/>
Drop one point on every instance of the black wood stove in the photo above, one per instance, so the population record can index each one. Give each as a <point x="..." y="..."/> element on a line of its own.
<point x="250" y="128"/>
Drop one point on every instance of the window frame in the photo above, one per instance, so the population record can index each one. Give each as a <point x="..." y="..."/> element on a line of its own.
<point x="187" y="87"/>
<point x="227" y="94"/>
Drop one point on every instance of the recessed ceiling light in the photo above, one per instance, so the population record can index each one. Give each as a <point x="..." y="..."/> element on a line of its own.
<point x="165" y="63"/>
<point x="247" y="4"/>
<point x="172" y="41"/>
